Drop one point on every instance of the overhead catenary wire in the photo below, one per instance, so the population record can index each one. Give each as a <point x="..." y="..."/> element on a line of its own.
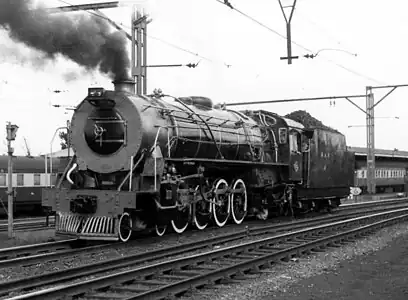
<point x="229" y="5"/>
<point x="220" y="62"/>
<point x="324" y="31"/>
<point x="148" y="35"/>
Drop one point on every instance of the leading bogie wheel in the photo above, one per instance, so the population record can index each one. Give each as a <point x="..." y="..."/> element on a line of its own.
<point x="161" y="229"/>
<point x="125" y="227"/>
<point x="239" y="201"/>
<point x="221" y="205"/>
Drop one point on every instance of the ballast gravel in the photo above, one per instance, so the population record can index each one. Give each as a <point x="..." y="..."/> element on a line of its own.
<point x="280" y="278"/>
<point x="141" y="245"/>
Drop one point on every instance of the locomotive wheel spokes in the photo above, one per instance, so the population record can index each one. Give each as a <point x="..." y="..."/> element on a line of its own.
<point x="221" y="207"/>
<point x="239" y="201"/>
<point x="180" y="222"/>
<point x="125" y="227"/>
<point x="201" y="212"/>
<point x="161" y="229"/>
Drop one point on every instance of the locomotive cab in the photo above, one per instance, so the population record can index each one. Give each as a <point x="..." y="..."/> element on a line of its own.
<point x="295" y="155"/>
<point x="299" y="154"/>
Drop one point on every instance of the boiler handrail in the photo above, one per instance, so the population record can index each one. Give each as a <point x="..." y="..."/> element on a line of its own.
<point x="154" y="149"/>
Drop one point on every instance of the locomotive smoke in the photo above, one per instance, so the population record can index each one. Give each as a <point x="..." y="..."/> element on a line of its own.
<point x="83" y="38"/>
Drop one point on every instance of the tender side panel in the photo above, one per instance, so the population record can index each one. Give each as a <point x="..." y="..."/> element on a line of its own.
<point x="331" y="165"/>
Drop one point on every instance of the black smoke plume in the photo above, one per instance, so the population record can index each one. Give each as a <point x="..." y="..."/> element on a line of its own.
<point x="84" y="38"/>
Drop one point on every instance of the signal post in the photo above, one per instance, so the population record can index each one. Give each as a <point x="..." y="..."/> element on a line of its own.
<point x="11" y="136"/>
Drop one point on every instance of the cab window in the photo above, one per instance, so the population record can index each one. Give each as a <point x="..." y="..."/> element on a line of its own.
<point x="294" y="141"/>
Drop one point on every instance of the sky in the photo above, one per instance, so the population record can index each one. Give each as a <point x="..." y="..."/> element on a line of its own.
<point x="208" y="32"/>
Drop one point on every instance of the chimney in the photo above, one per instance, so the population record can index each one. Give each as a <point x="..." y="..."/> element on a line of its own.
<point x="124" y="85"/>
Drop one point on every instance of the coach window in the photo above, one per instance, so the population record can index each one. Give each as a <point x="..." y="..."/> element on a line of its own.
<point x="3" y="180"/>
<point x="54" y="179"/>
<point x="37" y="179"/>
<point x="20" y="179"/>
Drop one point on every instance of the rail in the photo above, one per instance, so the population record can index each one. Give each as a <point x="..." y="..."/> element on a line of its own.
<point x="173" y="276"/>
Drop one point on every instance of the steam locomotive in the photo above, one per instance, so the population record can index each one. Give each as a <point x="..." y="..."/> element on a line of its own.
<point x="155" y="162"/>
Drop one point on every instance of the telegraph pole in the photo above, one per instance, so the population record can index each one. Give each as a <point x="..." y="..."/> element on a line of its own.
<point x="139" y="49"/>
<point x="371" y="186"/>
<point x="288" y="30"/>
<point x="370" y="105"/>
<point x="11" y="136"/>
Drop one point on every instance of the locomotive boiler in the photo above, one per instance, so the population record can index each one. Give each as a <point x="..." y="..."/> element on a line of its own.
<point x="156" y="161"/>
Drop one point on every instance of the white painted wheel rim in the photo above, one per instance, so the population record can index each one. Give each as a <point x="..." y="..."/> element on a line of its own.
<point x="126" y="238"/>
<point x="198" y="225"/>
<point x="179" y="229"/>
<point x="195" y="221"/>
<point x="161" y="231"/>
<point x="238" y="220"/>
<point x="217" y="221"/>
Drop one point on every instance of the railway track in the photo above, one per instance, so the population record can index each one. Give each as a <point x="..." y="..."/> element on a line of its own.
<point x="63" y="279"/>
<point x="28" y="251"/>
<point x="373" y="203"/>
<point x="53" y="251"/>
<point x="26" y="219"/>
<point x="28" y="223"/>
<point x="35" y="223"/>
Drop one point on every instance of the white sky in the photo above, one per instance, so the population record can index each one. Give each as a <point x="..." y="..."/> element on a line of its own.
<point x="375" y="30"/>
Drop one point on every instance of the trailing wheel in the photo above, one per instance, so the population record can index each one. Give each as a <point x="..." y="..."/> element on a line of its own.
<point x="161" y="229"/>
<point x="125" y="227"/>
<point x="201" y="211"/>
<point x="239" y="201"/>
<point x="221" y="205"/>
